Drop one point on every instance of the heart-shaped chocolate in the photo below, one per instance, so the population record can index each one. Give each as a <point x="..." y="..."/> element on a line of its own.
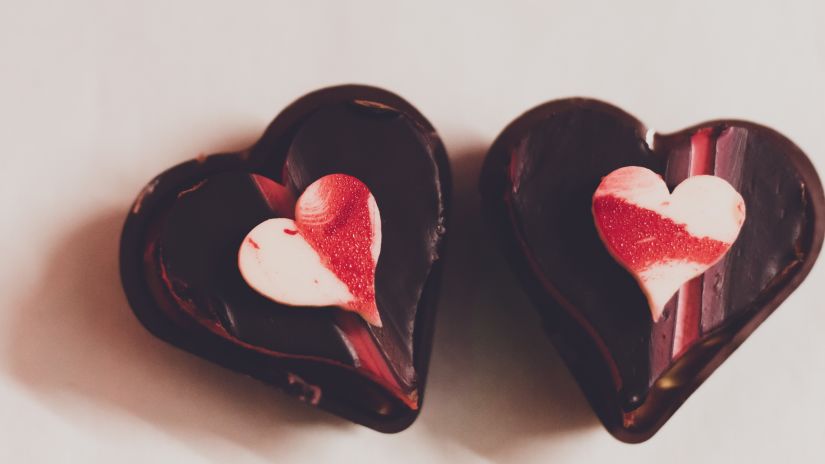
<point x="538" y="186"/>
<point x="182" y="251"/>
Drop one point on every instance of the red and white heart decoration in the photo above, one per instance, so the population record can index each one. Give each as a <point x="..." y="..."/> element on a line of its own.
<point x="326" y="256"/>
<point x="665" y="239"/>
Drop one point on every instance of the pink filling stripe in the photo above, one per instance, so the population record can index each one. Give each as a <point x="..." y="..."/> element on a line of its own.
<point x="688" y="308"/>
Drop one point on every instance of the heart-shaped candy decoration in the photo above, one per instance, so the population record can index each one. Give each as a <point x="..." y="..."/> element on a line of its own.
<point x="665" y="239"/>
<point x="326" y="256"/>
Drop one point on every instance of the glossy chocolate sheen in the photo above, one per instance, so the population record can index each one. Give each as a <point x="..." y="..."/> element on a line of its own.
<point x="537" y="186"/>
<point x="180" y="244"/>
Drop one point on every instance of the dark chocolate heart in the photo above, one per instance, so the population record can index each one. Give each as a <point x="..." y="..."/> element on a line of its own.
<point x="179" y="252"/>
<point x="537" y="186"/>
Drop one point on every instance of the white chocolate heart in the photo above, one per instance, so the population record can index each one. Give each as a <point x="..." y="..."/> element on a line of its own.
<point x="327" y="256"/>
<point x="278" y="262"/>
<point x="665" y="239"/>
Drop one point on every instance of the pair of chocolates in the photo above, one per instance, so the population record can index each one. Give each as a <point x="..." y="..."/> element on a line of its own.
<point x="312" y="260"/>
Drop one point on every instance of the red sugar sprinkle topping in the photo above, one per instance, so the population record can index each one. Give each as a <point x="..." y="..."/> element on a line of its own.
<point x="639" y="237"/>
<point x="253" y="243"/>
<point x="290" y="231"/>
<point x="343" y="236"/>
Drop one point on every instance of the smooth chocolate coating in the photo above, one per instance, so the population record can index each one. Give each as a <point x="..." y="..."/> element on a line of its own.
<point x="180" y="243"/>
<point x="537" y="185"/>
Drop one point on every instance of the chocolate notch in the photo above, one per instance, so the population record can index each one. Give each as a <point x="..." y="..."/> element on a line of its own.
<point x="243" y="331"/>
<point x="536" y="186"/>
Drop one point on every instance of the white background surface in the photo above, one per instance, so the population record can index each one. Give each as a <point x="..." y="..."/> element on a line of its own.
<point x="96" y="97"/>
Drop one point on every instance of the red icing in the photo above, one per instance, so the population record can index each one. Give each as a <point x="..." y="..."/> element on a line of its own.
<point x="639" y="237"/>
<point x="343" y="236"/>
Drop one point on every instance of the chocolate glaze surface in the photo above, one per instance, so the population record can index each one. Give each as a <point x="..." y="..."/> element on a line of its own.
<point x="180" y="243"/>
<point x="537" y="186"/>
